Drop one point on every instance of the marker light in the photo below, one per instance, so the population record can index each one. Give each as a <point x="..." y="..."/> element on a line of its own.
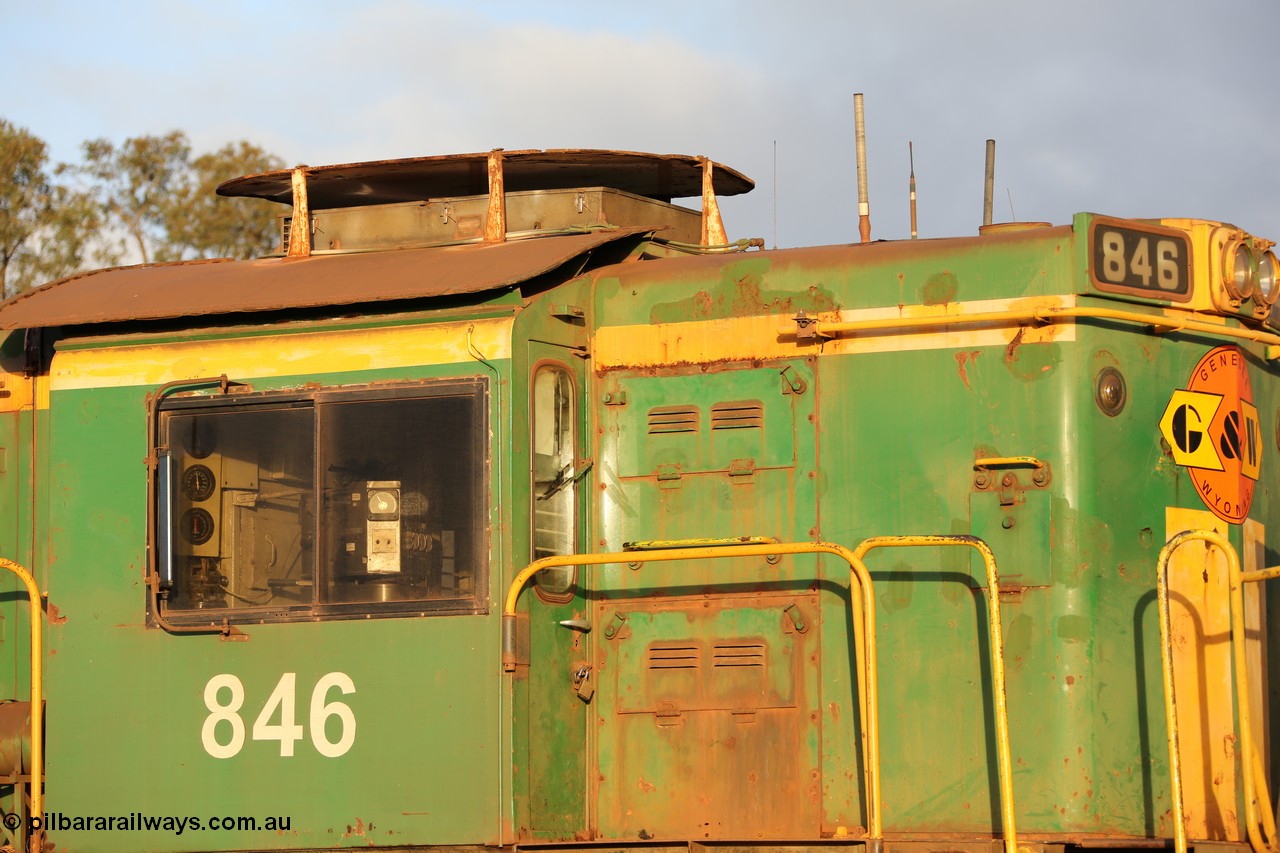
<point x="1266" y="278"/>
<point x="1237" y="270"/>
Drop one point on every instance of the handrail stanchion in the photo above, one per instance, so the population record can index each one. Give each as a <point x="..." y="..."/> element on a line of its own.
<point x="1004" y="761"/>
<point x="863" y="614"/>
<point x="1250" y="766"/>
<point x="37" y="696"/>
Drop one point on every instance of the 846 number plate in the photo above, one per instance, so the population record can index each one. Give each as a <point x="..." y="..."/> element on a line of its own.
<point x="1151" y="261"/>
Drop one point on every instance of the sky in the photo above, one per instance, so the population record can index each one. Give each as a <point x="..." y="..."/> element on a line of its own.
<point x="1134" y="108"/>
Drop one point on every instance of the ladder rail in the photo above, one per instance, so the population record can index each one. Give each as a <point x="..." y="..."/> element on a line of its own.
<point x="1252" y="777"/>
<point x="37" y="694"/>
<point x="862" y="606"/>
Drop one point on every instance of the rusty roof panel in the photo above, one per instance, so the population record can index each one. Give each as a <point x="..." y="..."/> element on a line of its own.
<point x="659" y="176"/>
<point x="201" y="288"/>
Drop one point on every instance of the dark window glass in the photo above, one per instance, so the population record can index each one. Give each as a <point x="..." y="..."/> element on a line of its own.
<point x="360" y="501"/>
<point x="400" y="499"/>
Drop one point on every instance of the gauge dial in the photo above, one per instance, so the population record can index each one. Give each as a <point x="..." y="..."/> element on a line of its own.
<point x="198" y="483"/>
<point x="196" y="526"/>
<point x="383" y="503"/>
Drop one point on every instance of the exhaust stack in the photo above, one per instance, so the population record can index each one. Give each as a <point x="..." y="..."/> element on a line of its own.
<point x="864" y="208"/>
<point x="991" y="177"/>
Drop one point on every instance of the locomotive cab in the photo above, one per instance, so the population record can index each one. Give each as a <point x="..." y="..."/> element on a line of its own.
<point x="512" y="505"/>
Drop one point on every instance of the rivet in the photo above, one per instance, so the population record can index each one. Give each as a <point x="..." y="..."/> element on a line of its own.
<point x="1007" y="522"/>
<point x="772" y="559"/>
<point x="982" y="481"/>
<point x="1008" y="480"/>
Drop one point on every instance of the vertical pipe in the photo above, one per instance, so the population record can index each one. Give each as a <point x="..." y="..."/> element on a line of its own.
<point x="300" y="223"/>
<point x="495" y="217"/>
<point x="991" y="177"/>
<point x="712" y="223"/>
<point x="864" y="207"/>
<point x="912" y="158"/>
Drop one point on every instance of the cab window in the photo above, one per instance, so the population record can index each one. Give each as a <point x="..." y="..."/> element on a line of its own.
<point x="327" y="503"/>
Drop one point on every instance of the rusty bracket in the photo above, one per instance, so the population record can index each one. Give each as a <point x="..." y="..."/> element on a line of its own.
<point x="797" y="618"/>
<point x="742" y="471"/>
<point x="992" y="472"/>
<point x="669" y="476"/>
<point x="568" y="312"/>
<point x="807" y="331"/>
<point x="792" y="382"/>
<point x="614" y="398"/>
<point x="615" y="629"/>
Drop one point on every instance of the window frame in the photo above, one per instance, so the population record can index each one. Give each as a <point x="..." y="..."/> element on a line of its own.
<point x="575" y="400"/>
<point x="474" y="388"/>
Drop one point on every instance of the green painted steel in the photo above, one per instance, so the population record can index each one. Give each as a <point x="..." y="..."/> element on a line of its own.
<point x="690" y="700"/>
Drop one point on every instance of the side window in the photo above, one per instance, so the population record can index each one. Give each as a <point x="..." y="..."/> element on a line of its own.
<point x="554" y="477"/>
<point x="335" y="502"/>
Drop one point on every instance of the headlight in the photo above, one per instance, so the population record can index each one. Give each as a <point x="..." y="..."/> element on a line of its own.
<point x="1237" y="270"/>
<point x="1266" y="278"/>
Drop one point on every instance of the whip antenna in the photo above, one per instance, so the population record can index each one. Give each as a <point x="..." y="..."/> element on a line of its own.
<point x="912" y="158"/>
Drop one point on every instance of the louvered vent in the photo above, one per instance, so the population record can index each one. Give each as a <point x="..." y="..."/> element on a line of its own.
<point x="745" y="415"/>
<point x="738" y="654"/>
<point x="666" y="419"/>
<point x="674" y="657"/>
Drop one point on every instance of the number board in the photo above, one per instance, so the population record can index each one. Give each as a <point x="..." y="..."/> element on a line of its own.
<point x="1145" y="261"/>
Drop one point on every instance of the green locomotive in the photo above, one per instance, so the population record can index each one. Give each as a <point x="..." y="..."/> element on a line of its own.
<point x="512" y="505"/>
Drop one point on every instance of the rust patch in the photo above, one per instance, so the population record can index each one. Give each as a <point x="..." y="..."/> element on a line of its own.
<point x="963" y="356"/>
<point x="1071" y="679"/>
<point x="647" y="786"/>
<point x="940" y="289"/>
<point x="1011" y="351"/>
<point x="55" y="615"/>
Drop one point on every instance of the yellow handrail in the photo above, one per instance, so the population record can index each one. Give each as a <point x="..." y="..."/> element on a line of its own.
<point x="817" y="329"/>
<point x="1004" y="762"/>
<point x="1249" y="763"/>
<point x="863" y="609"/>
<point x="985" y="462"/>
<point x="37" y="691"/>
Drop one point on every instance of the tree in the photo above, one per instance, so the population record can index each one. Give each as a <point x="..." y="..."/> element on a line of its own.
<point x="26" y="197"/>
<point x="203" y="224"/>
<point x="136" y="186"/>
<point x="47" y="230"/>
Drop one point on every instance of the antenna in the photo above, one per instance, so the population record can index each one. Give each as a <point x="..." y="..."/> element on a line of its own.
<point x="912" y="157"/>
<point x="775" y="193"/>
<point x="991" y="176"/>
<point x="864" y="208"/>
<point x="1013" y="217"/>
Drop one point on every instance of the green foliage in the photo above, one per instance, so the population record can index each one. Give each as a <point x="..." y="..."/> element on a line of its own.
<point x="203" y="224"/>
<point x="25" y="194"/>
<point x="135" y="186"/>
<point x="46" y="229"/>
<point x="147" y="199"/>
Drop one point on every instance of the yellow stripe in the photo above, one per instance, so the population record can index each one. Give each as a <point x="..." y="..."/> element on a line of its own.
<point x="305" y="354"/>
<point x="746" y="338"/>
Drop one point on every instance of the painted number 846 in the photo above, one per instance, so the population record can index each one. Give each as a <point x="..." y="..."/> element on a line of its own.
<point x="1134" y="259"/>
<point x="223" y="732"/>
